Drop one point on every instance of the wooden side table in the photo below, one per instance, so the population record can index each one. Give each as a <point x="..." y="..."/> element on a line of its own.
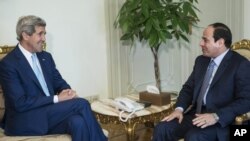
<point x="106" y="113"/>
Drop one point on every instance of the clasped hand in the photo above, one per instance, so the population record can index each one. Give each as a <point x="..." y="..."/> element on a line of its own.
<point x="66" y="95"/>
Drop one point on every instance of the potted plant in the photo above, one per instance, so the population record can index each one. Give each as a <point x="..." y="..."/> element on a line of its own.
<point x="156" y="22"/>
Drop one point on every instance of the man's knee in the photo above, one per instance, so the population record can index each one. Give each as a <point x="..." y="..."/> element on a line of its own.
<point x="81" y="102"/>
<point x="161" y="128"/>
<point x="76" y="121"/>
<point x="164" y="131"/>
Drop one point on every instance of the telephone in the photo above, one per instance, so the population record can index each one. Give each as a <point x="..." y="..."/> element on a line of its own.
<point x="127" y="105"/>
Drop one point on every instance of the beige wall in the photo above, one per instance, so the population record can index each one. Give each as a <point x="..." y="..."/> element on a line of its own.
<point x="246" y="19"/>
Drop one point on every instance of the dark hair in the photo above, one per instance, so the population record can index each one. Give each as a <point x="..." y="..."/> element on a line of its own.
<point x="222" y="31"/>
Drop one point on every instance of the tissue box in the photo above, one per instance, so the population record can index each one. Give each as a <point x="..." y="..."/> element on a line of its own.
<point x="156" y="99"/>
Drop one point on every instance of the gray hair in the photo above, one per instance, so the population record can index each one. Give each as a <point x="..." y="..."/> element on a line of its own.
<point x="27" y="24"/>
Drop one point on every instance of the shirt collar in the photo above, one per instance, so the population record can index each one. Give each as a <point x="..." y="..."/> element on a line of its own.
<point x="219" y="58"/>
<point x="25" y="52"/>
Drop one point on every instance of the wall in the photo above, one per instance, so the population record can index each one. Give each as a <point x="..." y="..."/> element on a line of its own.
<point x="76" y="37"/>
<point x="246" y="18"/>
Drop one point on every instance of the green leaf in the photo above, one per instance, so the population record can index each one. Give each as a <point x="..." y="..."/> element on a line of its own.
<point x="162" y="36"/>
<point x="184" y="37"/>
<point x="127" y="36"/>
<point x="148" y="26"/>
<point x="125" y="26"/>
<point x="145" y="9"/>
<point x="184" y="25"/>
<point x="153" y="39"/>
<point x="168" y="35"/>
<point x="132" y="5"/>
<point x="174" y="21"/>
<point x="186" y="8"/>
<point x="156" y="23"/>
<point x="152" y="4"/>
<point x="192" y="12"/>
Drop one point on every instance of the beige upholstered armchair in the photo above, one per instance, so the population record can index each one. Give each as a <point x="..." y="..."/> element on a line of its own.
<point x="243" y="48"/>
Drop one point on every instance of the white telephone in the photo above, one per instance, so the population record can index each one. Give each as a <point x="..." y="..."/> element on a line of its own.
<point x="127" y="105"/>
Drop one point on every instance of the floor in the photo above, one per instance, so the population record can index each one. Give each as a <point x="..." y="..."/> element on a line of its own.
<point x="117" y="133"/>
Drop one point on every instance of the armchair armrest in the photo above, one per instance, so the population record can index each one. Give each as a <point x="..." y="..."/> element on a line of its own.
<point x="240" y="119"/>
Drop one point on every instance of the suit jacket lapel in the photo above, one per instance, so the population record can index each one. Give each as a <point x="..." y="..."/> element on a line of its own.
<point x="222" y="68"/>
<point x="25" y="66"/>
<point x="202" y="71"/>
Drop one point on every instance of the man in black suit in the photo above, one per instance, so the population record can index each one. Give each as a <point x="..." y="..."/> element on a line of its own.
<point x="38" y="100"/>
<point x="215" y="105"/>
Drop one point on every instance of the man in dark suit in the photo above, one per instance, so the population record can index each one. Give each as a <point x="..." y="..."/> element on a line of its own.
<point x="38" y="100"/>
<point x="226" y="95"/>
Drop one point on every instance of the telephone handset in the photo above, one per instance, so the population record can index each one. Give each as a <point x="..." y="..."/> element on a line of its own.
<point x="128" y="105"/>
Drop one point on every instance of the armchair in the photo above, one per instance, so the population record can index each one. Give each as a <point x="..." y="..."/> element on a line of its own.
<point x="243" y="48"/>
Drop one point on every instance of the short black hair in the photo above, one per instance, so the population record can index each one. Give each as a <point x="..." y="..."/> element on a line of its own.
<point x="222" y="31"/>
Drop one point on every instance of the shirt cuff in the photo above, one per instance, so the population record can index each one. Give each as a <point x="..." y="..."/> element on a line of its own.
<point x="216" y="117"/>
<point x="55" y="100"/>
<point x="179" y="108"/>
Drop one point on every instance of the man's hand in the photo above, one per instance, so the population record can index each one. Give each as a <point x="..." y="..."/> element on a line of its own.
<point x="176" y="114"/>
<point x="66" y="95"/>
<point x="204" y="120"/>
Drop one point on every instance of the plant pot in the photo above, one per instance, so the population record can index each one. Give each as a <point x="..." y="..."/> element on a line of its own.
<point x="161" y="99"/>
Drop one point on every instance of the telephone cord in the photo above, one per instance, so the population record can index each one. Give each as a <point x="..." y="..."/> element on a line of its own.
<point x="126" y="119"/>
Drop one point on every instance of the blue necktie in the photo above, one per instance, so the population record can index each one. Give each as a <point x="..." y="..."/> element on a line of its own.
<point x="205" y="86"/>
<point x="39" y="74"/>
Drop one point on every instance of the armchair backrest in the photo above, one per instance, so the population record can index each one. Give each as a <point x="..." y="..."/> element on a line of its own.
<point x="242" y="47"/>
<point x="3" y="51"/>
